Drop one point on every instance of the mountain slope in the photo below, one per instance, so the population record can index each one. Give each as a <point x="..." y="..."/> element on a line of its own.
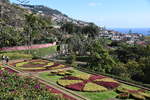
<point x="56" y="15"/>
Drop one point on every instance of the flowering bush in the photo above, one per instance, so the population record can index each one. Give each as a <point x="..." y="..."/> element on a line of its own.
<point x="14" y="87"/>
<point x="63" y="73"/>
<point x="123" y="96"/>
<point x="87" y="82"/>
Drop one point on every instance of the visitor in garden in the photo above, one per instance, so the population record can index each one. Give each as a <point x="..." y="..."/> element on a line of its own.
<point x="3" y="59"/>
<point x="7" y="59"/>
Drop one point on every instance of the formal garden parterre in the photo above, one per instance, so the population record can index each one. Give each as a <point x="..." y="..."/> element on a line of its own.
<point x="37" y="65"/>
<point x="92" y="86"/>
<point x="88" y="83"/>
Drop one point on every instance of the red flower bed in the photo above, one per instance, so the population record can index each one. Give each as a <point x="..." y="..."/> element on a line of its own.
<point x="94" y="77"/>
<point x="136" y="91"/>
<point x="109" y="85"/>
<point x="52" y="90"/>
<point x="80" y="84"/>
<point x="10" y="70"/>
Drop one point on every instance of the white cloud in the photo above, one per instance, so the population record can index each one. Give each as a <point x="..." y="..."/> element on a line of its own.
<point x="93" y="4"/>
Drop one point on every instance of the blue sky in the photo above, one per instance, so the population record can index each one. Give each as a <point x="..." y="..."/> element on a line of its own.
<point x="109" y="13"/>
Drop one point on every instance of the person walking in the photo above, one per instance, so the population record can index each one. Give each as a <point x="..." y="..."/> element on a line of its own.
<point x="7" y="59"/>
<point x="3" y="59"/>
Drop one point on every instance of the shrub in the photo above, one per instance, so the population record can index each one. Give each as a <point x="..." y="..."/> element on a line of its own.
<point x="123" y="96"/>
<point x="63" y="73"/>
<point x="70" y="71"/>
<point x="121" y="90"/>
<point x="137" y="96"/>
<point x="71" y="60"/>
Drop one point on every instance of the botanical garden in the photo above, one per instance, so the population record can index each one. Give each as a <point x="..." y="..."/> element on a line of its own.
<point x="45" y="55"/>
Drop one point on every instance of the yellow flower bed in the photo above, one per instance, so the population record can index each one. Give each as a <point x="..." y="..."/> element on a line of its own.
<point x="145" y="94"/>
<point x="37" y="68"/>
<point x="50" y="64"/>
<point x="56" y="67"/>
<point x="57" y="70"/>
<point x="94" y="87"/>
<point x="21" y="64"/>
<point x="137" y="96"/>
<point x="83" y="76"/>
<point x="106" y="80"/>
<point x="68" y="82"/>
<point x="63" y="73"/>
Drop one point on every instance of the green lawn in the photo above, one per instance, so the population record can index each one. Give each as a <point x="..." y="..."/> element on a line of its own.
<point x="91" y="95"/>
<point x="99" y="95"/>
<point x="24" y="54"/>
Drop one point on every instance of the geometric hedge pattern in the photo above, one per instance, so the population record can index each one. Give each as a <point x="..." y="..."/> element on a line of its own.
<point x="87" y="82"/>
<point x="37" y="65"/>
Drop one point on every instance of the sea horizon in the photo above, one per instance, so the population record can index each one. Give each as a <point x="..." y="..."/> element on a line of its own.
<point x="144" y="31"/>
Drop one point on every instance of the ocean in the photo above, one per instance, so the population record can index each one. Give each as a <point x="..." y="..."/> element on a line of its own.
<point x="144" y="31"/>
